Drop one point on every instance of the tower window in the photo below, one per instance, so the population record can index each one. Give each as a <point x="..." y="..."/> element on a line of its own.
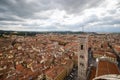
<point x="81" y="47"/>
<point x="81" y="64"/>
<point x="81" y="56"/>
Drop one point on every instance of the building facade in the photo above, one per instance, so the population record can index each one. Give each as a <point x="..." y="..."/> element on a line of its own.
<point x="83" y="57"/>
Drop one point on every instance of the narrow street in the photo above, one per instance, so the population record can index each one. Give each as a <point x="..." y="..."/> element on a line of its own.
<point x="73" y="74"/>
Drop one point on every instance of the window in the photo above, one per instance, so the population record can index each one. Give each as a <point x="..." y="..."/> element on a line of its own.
<point x="81" y="47"/>
<point x="101" y="46"/>
<point x="81" y="56"/>
<point x="81" y="64"/>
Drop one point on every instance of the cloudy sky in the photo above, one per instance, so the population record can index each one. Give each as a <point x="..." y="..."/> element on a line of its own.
<point x="60" y="15"/>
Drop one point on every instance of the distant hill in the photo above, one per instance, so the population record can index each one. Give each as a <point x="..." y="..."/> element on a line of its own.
<point x="32" y="33"/>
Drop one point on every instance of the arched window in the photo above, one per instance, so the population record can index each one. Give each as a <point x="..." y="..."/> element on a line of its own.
<point x="81" y="47"/>
<point x="81" y="56"/>
<point x="81" y="64"/>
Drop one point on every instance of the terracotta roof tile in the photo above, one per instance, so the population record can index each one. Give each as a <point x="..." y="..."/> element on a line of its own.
<point x="105" y="67"/>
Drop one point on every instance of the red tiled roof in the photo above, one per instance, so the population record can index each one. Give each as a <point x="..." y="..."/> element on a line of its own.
<point x="106" y="67"/>
<point x="52" y="73"/>
<point x="110" y="54"/>
<point x="99" y="52"/>
<point x="19" y="67"/>
<point x="117" y="47"/>
<point x="102" y="53"/>
<point x="92" y="73"/>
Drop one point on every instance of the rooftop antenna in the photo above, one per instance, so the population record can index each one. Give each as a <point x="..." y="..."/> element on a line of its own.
<point x="25" y="34"/>
<point x="82" y="29"/>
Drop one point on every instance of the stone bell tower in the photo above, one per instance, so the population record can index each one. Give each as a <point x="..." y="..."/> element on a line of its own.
<point x="82" y="57"/>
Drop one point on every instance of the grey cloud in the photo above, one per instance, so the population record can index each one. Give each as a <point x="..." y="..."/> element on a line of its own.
<point x="91" y="19"/>
<point x="24" y="9"/>
<point x="106" y="24"/>
<point x="112" y="11"/>
<point x="5" y="23"/>
<point x="76" y="6"/>
<point x="108" y="20"/>
<point x="106" y="28"/>
<point x="9" y="18"/>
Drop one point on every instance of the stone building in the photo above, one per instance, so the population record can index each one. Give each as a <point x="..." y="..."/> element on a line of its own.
<point x="83" y="57"/>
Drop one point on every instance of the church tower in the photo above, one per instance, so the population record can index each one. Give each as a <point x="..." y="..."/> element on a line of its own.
<point x="83" y="57"/>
